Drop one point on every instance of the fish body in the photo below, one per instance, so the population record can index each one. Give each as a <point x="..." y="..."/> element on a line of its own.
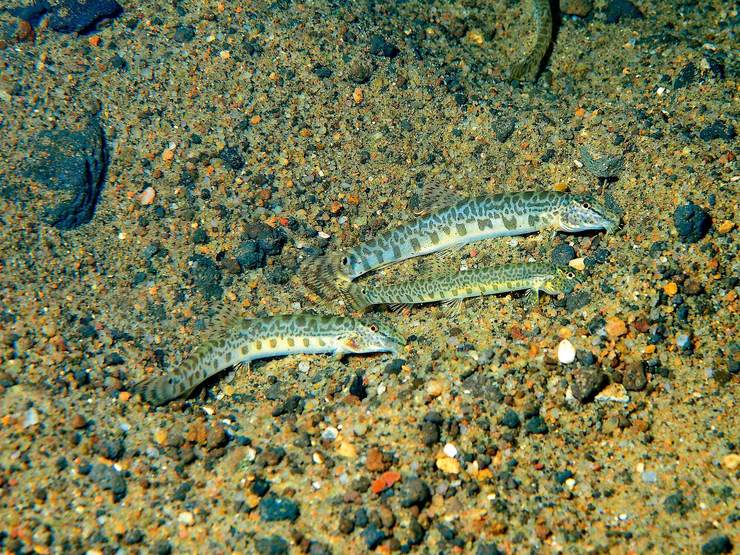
<point x="244" y="340"/>
<point x="528" y="67"/>
<point x="450" y="286"/>
<point x="461" y="223"/>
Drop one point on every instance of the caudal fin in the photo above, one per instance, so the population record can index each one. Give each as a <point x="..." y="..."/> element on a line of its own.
<point x="159" y="390"/>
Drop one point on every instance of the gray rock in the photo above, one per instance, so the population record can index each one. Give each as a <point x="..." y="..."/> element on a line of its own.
<point x="275" y="508"/>
<point x="586" y="383"/>
<point x="72" y="165"/>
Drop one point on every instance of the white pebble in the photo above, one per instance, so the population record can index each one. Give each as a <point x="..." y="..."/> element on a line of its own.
<point x="566" y="352"/>
<point x="330" y="434"/>
<point x="304" y="366"/>
<point x="186" y="518"/>
<point x="31" y="418"/>
<point x="450" y="450"/>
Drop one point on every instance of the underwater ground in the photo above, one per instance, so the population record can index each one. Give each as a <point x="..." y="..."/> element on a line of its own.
<point x="167" y="162"/>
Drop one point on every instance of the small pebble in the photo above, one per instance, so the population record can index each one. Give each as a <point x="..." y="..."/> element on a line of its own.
<point x="613" y="393"/>
<point x="566" y="352"/>
<point x="450" y="450"/>
<point x="147" y="196"/>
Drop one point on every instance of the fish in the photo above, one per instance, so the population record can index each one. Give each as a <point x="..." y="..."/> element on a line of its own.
<point x="457" y="224"/>
<point x="452" y="286"/>
<point x="529" y="66"/>
<point x="242" y="340"/>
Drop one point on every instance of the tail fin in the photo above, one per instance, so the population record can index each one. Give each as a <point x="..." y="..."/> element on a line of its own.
<point x="322" y="274"/>
<point x="158" y="390"/>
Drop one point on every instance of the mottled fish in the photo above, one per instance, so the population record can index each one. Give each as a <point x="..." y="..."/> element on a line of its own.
<point x="454" y="286"/>
<point x="243" y="340"/>
<point x="528" y="67"/>
<point x="460" y="223"/>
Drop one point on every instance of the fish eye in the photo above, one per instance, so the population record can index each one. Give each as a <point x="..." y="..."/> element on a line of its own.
<point x="345" y="261"/>
<point x="373" y="328"/>
<point x="586" y="205"/>
<point x="570" y="275"/>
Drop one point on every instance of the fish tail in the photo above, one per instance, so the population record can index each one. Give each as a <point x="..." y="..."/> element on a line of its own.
<point x="322" y="275"/>
<point x="161" y="389"/>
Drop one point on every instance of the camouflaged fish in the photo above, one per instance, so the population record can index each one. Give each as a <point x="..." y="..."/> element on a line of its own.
<point x="243" y="340"/>
<point x="460" y="223"/>
<point x="451" y="287"/>
<point x="529" y="66"/>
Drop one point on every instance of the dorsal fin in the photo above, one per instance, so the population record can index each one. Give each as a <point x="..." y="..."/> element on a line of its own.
<point x="436" y="195"/>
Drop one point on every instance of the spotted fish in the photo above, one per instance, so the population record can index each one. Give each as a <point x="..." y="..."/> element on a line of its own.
<point x="243" y="340"/>
<point x="452" y="286"/>
<point x="528" y="67"/>
<point x="460" y="223"/>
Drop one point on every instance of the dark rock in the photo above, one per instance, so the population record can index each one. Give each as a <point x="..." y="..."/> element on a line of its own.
<point x="373" y="536"/>
<point x="685" y="77"/>
<point x="70" y="16"/>
<point x="260" y="487"/>
<point x="162" y="547"/>
<point x="562" y="254"/>
<point x="430" y="433"/>
<point x="562" y="475"/>
<point x="676" y="503"/>
<point x="357" y="387"/>
<point x="250" y="256"/>
<point x="346" y="524"/>
<point x="184" y="34"/>
<point x="586" y="383"/>
<point x="275" y="508"/>
<point x="415" y="493"/>
<point x="271" y="240"/>
<point x="536" y="425"/>
<point x="394" y="366"/>
<point x="112" y="449"/>
<point x="232" y="158"/>
<point x="511" y="419"/>
<point x="206" y="276"/>
<point x="71" y="165"/>
<point x="576" y="301"/>
<point x="113" y="359"/>
<point x="110" y="480"/>
<point x="717" y="130"/>
<point x="717" y="546"/>
<point x="293" y="404"/>
<point x="692" y="222"/>
<point x="380" y="47"/>
<point x="361" y="484"/>
<point x="504" y="128"/>
<point x="322" y="72"/>
<point x="633" y="378"/>
<point x="272" y="545"/>
<point x="132" y="537"/>
<point x="200" y="237"/>
<point x="622" y="9"/>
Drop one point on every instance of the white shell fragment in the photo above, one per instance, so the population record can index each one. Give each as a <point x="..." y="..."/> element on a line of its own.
<point x="566" y="352"/>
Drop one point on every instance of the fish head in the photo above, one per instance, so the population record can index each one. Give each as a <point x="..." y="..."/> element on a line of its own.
<point x="348" y="265"/>
<point x="560" y="281"/>
<point x="373" y="336"/>
<point x="584" y="212"/>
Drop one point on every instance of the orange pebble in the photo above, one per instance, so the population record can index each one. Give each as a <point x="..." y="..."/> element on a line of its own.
<point x="94" y="40"/>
